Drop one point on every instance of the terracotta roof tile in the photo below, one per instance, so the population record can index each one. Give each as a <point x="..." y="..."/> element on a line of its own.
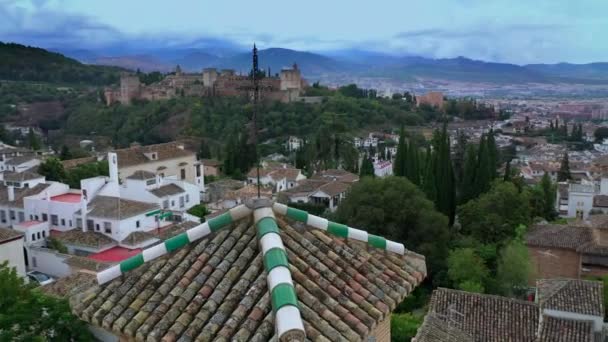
<point x="578" y="296"/>
<point x="167" y="190"/>
<point x="554" y="329"/>
<point x="340" y="297"/>
<point x="560" y="236"/>
<point x="7" y="234"/>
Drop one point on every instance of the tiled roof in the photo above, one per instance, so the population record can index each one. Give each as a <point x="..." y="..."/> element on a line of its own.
<point x="20" y="160"/>
<point x="336" y="175"/>
<point x="72" y="163"/>
<point x="87" y="239"/>
<point x="571" y="295"/>
<point x="7" y="234"/>
<point x="334" y="188"/>
<point x="559" y="236"/>
<point x="436" y="328"/>
<point x="170" y="231"/>
<point x="20" y="194"/>
<point x="135" y="155"/>
<point x="86" y="263"/>
<point x="485" y="317"/>
<point x="138" y="237"/>
<point x="246" y="192"/>
<point x="554" y="329"/>
<point x="216" y="289"/>
<point x="118" y="208"/>
<point x="167" y="190"/>
<point x="211" y="162"/>
<point x="141" y="175"/>
<point x="21" y="176"/>
<point x="67" y="286"/>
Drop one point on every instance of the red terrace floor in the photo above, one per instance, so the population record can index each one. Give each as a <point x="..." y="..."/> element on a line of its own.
<point x="27" y="224"/>
<point x="115" y="254"/>
<point x="67" y="198"/>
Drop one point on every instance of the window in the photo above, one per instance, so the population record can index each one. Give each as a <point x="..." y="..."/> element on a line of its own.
<point x="165" y="204"/>
<point x="107" y="227"/>
<point x="43" y="233"/>
<point x="21" y="216"/>
<point x="198" y="170"/>
<point x="187" y="198"/>
<point x="79" y="223"/>
<point x="151" y="181"/>
<point x="173" y="203"/>
<point x="181" y="201"/>
<point x="70" y="221"/>
<point x="26" y="185"/>
<point x="12" y="215"/>
<point x="63" y="222"/>
<point x="45" y="217"/>
<point x="97" y="227"/>
<point x="183" y="174"/>
<point x="90" y="225"/>
<point x="36" y="217"/>
<point x="2" y="215"/>
<point x="38" y="235"/>
<point x="31" y="217"/>
<point x="54" y="220"/>
<point x="33" y="237"/>
<point x="136" y="224"/>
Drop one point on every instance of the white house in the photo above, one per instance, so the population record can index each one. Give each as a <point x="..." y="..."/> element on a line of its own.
<point x="280" y="177"/>
<point x="19" y="163"/>
<point x="294" y="143"/>
<point x="580" y="199"/>
<point x="383" y="168"/>
<point x="11" y="249"/>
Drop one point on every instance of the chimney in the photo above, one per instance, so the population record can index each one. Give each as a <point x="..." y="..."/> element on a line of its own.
<point x="113" y="166"/>
<point x="11" y="193"/>
<point x="83" y="213"/>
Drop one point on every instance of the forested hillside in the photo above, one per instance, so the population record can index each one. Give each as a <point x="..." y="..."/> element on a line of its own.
<point x="24" y="63"/>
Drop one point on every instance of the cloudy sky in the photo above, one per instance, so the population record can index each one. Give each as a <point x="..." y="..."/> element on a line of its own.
<point x="516" y="31"/>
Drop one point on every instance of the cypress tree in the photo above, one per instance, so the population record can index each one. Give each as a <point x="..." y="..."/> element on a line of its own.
<point x="468" y="186"/>
<point x="564" y="170"/>
<point x="507" y="176"/>
<point x="492" y="154"/>
<point x="428" y="183"/>
<point x="367" y="167"/>
<point x="482" y="177"/>
<point x="400" y="157"/>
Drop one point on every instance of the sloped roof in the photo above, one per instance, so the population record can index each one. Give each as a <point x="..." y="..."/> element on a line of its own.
<point x="216" y="288"/>
<point x="554" y="329"/>
<point x="600" y="201"/>
<point x="334" y="188"/>
<point x="571" y="295"/>
<point x="487" y="318"/>
<point x="117" y="208"/>
<point x="135" y="155"/>
<point x="336" y="175"/>
<point x="167" y="190"/>
<point x="436" y="328"/>
<point x="142" y="175"/>
<point x="7" y="235"/>
<point x="558" y="236"/>
<point x="20" y="194"/>
<point x="20" y="160"/>
<point x="21" y="176"/>
<point x="87" y="239"/>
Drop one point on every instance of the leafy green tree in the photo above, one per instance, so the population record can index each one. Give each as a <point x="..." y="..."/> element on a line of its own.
<point x="399" y="163"/>
<point x="494" y="216"/>
<point x="395" y="208"/>
<point x="203" y="151"/>
<point x="27" y="314"/>
<point x="65" y="153"/>
<point x="564" y="170"/>
<point x="367" y="168"/>
<point x="600" y="134"/>
<point x="53" y="170"/>
<point x="467" y="270"/>
<point x="514" y="269"/>
<point x="199" y="211"/>
<point x="404" y="326"/>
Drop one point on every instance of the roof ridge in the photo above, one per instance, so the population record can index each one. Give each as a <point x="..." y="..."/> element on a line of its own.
<point x="484" y="295"/>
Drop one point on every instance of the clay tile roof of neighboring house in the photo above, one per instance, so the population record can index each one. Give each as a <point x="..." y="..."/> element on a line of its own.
<point x="216" y="289"/>
<point x="72" y="163"/>
<point x="86" y="263"/>
<point x="87" y="239"/>
<point x="487" y="318"/>
<point x="118" y="208"/>
<point x="554" y="329"/>
<point x="67" y="286"/>
<point x="7" y="235"/>
<point x="246" y="192"/>
<point x="21" y="176"/>
<point x="20" y="194"/>
<point x="559" y="236"/>
<point x="600" y="201"/>
<point x="212" y="162"/>
<point x="305" y="187"/>
<point x="138" y="237"/>
<point x="172" y="230"/>
<point x="288" y="173"/>
<point x="571" y="295"/>
<point x="336" y="175"/>
<point x="597" y="221"/>
<point x="142" y="175"/>
<point x="436" y="328"/>
<point x="167" y="190"/>
<point x="334" y="188"/>
<point x="135" y="155"/>
<point x="20" y="160"/>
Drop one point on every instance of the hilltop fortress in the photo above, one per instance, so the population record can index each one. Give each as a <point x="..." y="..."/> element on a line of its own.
<point x="286" y="86"/>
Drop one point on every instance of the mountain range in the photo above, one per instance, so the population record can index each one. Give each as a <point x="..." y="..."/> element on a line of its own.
<point x="354" y="63"/>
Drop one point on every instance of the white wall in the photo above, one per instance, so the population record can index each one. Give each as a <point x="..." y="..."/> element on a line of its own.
<point x="13" y="252"/>
<point x="48" y="261"/>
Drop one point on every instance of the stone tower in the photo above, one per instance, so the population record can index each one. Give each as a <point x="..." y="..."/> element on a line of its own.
<point x="130" y="88"/>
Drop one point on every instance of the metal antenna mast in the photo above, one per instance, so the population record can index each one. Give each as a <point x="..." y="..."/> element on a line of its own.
<point x="254" y="76"/>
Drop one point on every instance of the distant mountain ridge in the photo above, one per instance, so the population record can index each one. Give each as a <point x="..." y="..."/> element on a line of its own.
<point x="358" y="63"/>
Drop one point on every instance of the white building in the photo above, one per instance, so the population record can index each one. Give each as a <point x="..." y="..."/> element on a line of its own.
<point x="280" y="177"/>
<point x="11" y="249"/>
<point x="383" y="168"/>
<point x="294" y="143"/>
